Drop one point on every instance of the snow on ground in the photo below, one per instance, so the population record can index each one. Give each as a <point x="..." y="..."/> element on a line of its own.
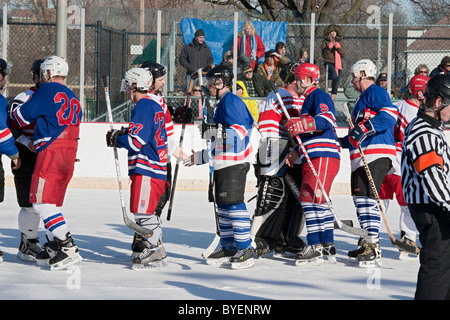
<point x="95" y="220"/>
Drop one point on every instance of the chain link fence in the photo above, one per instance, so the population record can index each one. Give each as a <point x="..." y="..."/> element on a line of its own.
<point x="109" y="52"/>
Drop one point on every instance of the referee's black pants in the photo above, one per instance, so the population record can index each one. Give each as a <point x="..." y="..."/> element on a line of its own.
<point x="433" y="281"/>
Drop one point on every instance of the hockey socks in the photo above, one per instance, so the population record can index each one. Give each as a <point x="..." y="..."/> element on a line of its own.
<point x="319" y="223"/>
<point x="368" y="215"/>
<point x="29" y="222"/>
<point x="53" y="219"/>
<point x="234" y="225"/>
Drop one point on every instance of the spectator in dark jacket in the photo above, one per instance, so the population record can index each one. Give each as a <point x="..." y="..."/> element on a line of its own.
<point x="257" y="85"/>
<point x="196" y="55"/>
<point x="443" y="68"/>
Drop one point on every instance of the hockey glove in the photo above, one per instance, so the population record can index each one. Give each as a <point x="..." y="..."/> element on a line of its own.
<point x="212" y="131"/>
<point x="182" y="115"/>
<point x="360" y="132"/>
<point x="112" y="136"/>
<point x="304" y="124"/>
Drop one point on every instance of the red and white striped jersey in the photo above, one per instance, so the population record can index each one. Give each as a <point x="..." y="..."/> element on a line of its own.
<point x="169" y="123"/>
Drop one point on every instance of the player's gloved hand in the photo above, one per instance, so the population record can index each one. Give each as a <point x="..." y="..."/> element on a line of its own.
<point x="304" y="124"/>
<point x="182" y="115"/>
<point x="212" y="131"/>
<point x="360" y="132"/>
<point x="112" y="136"/>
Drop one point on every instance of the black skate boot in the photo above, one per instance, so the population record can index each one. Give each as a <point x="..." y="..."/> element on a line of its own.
<point x="66" y="255"/>
<point x="312" y="254"/>
<point x="28" y="248"/>
<point x="353" y="255"/>
<point x="145" y="255"/>
<point x="329" y="251"/>
<point x="48" y="251"/>
<point x="242" y="259"/>
<point x="1" y="255"/>
<point x="407" y="248"/>
<point x="220" y="256"/>
<point x="371" y="256"/>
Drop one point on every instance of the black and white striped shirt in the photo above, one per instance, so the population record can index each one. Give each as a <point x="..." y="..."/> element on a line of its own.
<point x="426" y="163"/>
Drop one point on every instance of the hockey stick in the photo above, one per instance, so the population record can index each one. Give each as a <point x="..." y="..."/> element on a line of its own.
<point x="294" y="188"/>
<point x="394" y="241"/>
<point x="356" y="231"/>
<point x="216" y="239"/>
<point x="177" y="166"/>
<point x="128" y="222"/>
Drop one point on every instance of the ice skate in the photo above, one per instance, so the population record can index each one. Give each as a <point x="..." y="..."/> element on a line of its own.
<point x="1" y="256"/>
<point x="329" y="252"/>
<point x="28" y="248"/>
<point x="353" y="255"/>
<point x="312" y="254"/>
<point x="48" y="251"/>
<point x="220" y="256"/>
<point x="146" y="256"/>
<point x="408" y="249"/>
<point x="66" y="255"/>
<point x="243" y="259"/>
<point x="371" y="256"/>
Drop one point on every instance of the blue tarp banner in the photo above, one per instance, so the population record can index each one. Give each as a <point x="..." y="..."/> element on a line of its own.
<point x="219" y="34"/>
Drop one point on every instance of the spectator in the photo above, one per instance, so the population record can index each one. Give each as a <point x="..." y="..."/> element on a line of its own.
<point x="333" y="52"/>
<point x="227" y="59"/>
<point x="280" y="48"/>
<point x="382" y="79"/>
<point x="350" y="93"/>
<point x="257" y="85"/>
<point x="304" y="55"/>
<point x="195" y="55"/>
<point x="443" y="68"/>
<point x="252" y="105"/>
<point x="250" y="46"/>
<point x="273" y="63"/>
<point x="422" y="69"/>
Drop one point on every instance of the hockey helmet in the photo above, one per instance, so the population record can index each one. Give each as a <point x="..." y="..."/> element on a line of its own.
<point x="287" y="73"/>
<point x="310" y="70"/>
<point x="439" y="86"/>
<point x="157" y="70"/>
<point x="138" y="78"/>
<point x="182" y="114"/>
<point x="220" y="72"/>
<point x="418" y="83"/>
<point x="4" y="68"/>
<point x="365" y="65"/>
<point x="57" y="66"/>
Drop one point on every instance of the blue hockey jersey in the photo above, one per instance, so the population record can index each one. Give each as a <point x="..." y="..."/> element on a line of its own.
<point x="323" y="142"/>
<point x="7" y="142"/>
<point x="54" y="107"/>
<point x="146" y="140"/>
<point x="376" y="100"/>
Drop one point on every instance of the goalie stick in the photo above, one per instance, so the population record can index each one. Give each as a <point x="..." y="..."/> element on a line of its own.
<point x="128" y="222"/>
<point x="396" y="243"/>
<point x="177" y="166"/>
<point x="340" y="225"/>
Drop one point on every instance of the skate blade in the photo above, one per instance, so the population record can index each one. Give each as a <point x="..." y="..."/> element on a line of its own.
<point x="152" y="265"/>
<point x="64" y="264"/>
<point x="312" y="262"/>
<point x="330" y="259"/>
<point x="407" y="256"/>
<point x="243" y="265"/>
<point x="217" y="262"/>
<point x="370" y="264"/>
<point x="25" y="257"/>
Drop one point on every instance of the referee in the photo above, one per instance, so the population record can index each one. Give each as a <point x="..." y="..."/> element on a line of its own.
<point x="426" y="186"/>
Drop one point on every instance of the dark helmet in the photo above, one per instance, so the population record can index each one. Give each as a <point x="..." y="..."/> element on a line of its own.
<point x="221" y="72"/>
<point x="36" y="66"/>
<point x="182" y="114"/>
<point x="439" y="86"/>
<point x="287" y="73"/>
<point x="157" y="70"/>
<point x="4" y="68"/>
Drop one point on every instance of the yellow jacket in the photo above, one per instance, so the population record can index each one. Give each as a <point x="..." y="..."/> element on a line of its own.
<point x="252" y="105"/>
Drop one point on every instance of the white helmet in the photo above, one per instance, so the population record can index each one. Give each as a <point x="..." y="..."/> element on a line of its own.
<point x="140" y="77"/>
<point x="365" y="65"/>
<point x="57" y="66"/>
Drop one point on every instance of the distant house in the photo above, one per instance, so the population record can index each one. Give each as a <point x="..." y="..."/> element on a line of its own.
<point x="428" y="46"/>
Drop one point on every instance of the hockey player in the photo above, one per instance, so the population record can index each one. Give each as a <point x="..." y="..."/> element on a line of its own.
<point x="7" y="145"/>
<point x="374" y="117"/>
<point x="233" y="147"/>
<point x="57" y="112"/>
<point x="145" y="139"/>
<point x="28" y="217"/>
<point x="315" y="127"/>
<point x="278" y="218"/>
<point x="155" y="93"/>
<point x="407" y="110"/>
<point x="426" y="186"/>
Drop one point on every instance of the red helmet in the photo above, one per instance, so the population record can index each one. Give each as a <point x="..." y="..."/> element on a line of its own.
<point x="418" y="83"/>
<point x="308" y="70"/>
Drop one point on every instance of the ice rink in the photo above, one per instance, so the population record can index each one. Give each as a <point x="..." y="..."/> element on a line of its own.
<point x="94" y="217"/>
